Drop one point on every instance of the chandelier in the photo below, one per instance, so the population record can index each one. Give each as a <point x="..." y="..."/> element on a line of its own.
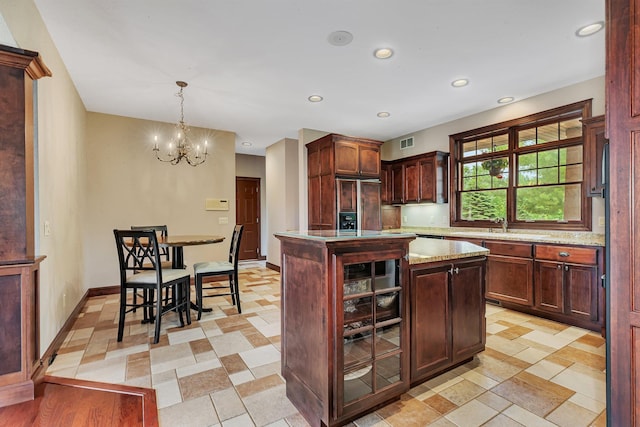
<point x="181" y="146"/>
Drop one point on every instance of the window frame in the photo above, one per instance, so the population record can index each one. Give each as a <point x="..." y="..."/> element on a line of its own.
<point x="580" y="110"/>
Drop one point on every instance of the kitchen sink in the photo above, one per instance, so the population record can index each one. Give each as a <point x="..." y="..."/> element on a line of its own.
<point x="498" y="235"/>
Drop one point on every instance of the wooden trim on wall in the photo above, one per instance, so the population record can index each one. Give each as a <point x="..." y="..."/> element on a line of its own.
<point x="47" y="358"/>
<point x="273" y="267"/>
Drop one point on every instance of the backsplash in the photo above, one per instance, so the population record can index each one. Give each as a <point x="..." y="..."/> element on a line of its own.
<point x="437" y="215"/>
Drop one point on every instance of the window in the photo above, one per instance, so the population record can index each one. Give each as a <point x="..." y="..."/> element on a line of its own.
<point x="528" y="171"/>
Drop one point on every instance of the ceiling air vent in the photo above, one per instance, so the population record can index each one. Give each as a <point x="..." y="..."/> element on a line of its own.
<point x="406" y="143"/>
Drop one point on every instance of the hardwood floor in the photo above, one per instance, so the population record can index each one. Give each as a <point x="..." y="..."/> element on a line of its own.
<point x="93" y="404"/>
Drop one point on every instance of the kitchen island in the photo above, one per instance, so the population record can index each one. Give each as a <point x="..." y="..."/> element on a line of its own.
<point x="354" y="304"/>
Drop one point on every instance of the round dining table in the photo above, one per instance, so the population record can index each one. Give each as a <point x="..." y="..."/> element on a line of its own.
<point x="177" y="244"/>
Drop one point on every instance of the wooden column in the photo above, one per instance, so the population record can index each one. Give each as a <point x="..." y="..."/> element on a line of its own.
<point x="19" y="337"/>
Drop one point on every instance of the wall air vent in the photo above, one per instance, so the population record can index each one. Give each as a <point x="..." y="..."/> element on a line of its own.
<point x="406" y="143"/>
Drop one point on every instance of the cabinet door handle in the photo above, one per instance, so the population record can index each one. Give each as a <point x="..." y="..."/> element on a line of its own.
<point x="564" y="254"/>
<point x="566" y="268"/>
<point x="454" y="270"/>
<point x="559" y="266"/>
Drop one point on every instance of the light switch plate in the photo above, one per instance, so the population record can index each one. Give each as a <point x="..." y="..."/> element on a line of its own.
<point x="223" y="220"/>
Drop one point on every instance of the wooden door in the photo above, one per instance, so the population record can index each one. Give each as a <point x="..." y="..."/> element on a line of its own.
<point x="427" y="167"/>
<point x="248" y="214"/>
<point x="623" y="269"/>
<point x="369" y="160"/>
<point x="346" y="158"/>
<point x="397" y="183"/>
<point x="347" y="195"/>
<point x="581" y="282"/>
<point x="430" y="321"/>
<point x="510" y="279"/>
<point x="549" y="291"/>
<point x="467" y="310"/>
<point x="370" y="213"/>
<point x="411" y="182"/>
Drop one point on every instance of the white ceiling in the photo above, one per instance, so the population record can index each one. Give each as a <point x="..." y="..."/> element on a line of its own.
<point x="251" y="64"/>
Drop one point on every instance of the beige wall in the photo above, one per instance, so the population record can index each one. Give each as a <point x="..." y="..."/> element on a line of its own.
<point x="127" y="186"/>
<point x="254" y="167"/>
<point x="60" y="187"/>
<point x="437" y="138"/>
<point x="282" y="193"/>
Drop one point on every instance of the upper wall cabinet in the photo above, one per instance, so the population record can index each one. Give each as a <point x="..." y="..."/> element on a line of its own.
<point x="417" y="179"/>
<point x="357" y="157"/>
<point x="594" y="142"/>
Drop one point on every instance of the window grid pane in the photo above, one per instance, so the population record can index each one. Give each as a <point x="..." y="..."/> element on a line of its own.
<point x="547" y="183"/>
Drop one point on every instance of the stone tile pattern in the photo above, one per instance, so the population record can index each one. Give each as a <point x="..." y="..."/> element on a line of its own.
<point x="225" y="369"/>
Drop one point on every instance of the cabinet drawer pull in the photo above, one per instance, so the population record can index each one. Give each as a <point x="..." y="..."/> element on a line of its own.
<point x="564" y="254"/>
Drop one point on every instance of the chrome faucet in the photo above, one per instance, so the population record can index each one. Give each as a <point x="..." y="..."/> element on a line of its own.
<point x="502" y="221"/>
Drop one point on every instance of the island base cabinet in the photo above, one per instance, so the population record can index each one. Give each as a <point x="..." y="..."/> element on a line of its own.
<point x="345" y="331"/>
<point x="447" y="316"/>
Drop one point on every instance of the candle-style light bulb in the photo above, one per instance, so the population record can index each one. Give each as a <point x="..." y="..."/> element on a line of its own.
<point x="205" y="146"/>
<point x="155" y="145"/>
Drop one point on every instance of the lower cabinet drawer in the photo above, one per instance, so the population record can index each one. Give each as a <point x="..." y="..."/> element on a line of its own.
<point x="515" y="249"/>
<point x="567" y="254"/>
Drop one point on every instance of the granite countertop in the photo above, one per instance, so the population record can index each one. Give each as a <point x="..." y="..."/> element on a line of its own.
<point x="430" y="250"/>
<point x="344" y="235"/>
<point x="536" y="236"/>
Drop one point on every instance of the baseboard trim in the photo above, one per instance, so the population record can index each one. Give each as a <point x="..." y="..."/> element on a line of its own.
<point x="105" y="290"/>
<point x="39" y="372"/>
<point x="272" y="266"/>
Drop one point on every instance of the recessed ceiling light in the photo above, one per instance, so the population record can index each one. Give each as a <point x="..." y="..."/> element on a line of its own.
<point x="340" y="38"/>
<point x="383" y="53"/>
<point x="383" y="114"/>
<point x="590" y="29"/>
<point x="315" y="98"/>
<point x="247" y="144"/>
<point x="460" y="83"/>
<point x="505" y="100"/>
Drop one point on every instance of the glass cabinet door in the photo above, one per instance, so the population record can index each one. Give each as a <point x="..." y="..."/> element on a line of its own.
<point x="371" y="328"/>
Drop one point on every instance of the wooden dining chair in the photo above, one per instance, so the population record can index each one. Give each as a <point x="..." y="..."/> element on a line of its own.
<point x="141" y="268"/>
<point x="161" y="231"/>
<point x="220" y="268"/>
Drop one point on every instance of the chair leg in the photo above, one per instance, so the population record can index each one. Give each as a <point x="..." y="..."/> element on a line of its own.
<point x="135" y="300"/>
<point x="179" y="303"/>
<point x="123" y="308"/>
<point x="187" y="299"/>
<point x="199" y="294"/>
<point x="149" y="294"/>
<point x="236" y="291"/>
<point x="158" y="319"/>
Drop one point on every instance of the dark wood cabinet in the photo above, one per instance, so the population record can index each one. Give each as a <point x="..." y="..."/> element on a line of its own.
<point x="594" y="142"/>
<point x="419" y="179"/>
<point x="334" y="157"/>
<point x="510" y="272"/>
<point x="447" y="315"/>
<point x="558" y="282"/>
<point x="385" y="183"/>
<point x="357" y="157"/>
<point x="19" y="267"/>
<point x="354" y="325"/>
<point x="371" y="213"/>
<point x="566" y="282"/>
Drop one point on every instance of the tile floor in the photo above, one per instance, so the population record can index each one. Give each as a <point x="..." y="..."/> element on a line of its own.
<point x="225" y="369"/>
